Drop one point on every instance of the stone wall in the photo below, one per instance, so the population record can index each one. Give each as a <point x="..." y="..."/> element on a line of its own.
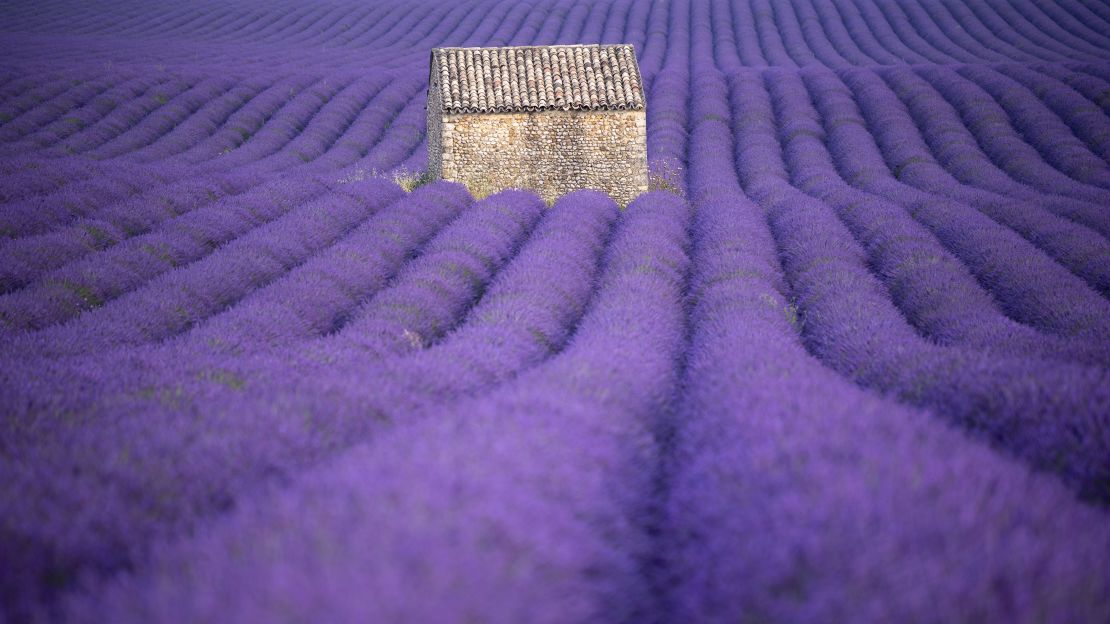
<point x="550" y="152"/>
<point x="435" y="129"/>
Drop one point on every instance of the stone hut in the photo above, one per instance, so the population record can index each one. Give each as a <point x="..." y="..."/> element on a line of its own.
<point x="548" y="118"/>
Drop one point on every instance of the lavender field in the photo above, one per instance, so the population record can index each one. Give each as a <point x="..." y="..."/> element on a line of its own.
<point x="855" y="367"/>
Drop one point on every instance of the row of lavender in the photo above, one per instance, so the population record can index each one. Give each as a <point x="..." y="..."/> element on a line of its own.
<point x="730" y="38"/>
<point x="57" y="234"/>
<point x="563" y="477"/>
<point x="190" y="119"/>
<point x="278" y="395"/>
<point x="760" y="32"/>
<point x="180" y="408"/>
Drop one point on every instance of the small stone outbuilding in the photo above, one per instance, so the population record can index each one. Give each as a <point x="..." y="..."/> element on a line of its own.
<point x="548" y="118"/>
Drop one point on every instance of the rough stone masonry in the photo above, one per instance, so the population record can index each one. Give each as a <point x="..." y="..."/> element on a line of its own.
<point x="552" y="119"/>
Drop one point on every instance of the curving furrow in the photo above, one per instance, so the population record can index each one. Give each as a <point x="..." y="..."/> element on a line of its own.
<point x="315" y="297"/>
<point x="33" y="94"/>
<point x="178" y="299"/>
<point x="956" y="148"/>
<point x="157" y="126"/>
<point x="43" y="113"/>
<point x="1025" y="18"/>
<point x="1053" y="419"/>
<point x="402" y="134"/>
<point x="997" y="27"/>
<point x="200" y="124"/>
<point x="57" y="129"/>
<point x="830" y="41"/>
<point x="1082" y="116"/>
<point x="524" y="315"/>
<point x="932" y="289"/>
<point x="529" y="310"/>
<point x="1001" y="259"/>
<point x="940" y="29"/>
<point x="125" y="114"/>
<point x="1082" y="250"/>
<point x="850" y="323"/>
<point x="1096" y="91"/>
<point x="577" y="446"/>
<point x="993" y="130"/>
<point x="752" y="475"/>
<point x="433" y="291"/>
<point x="1042" y="128"/>
<point x="60" y="203"/>
<point x="27" y="177"/>
<point x="245" y="122"/>
<point x="1076" y="28"/>
<point x="28" y="258"/>
<point x="281" y="126"/>
<point x="859" y="31"/>
<point x="894" y="28"/>
<point x="195" y="219"/>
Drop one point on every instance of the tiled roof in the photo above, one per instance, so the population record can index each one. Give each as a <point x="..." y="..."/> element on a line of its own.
<point x="515" y="79"/>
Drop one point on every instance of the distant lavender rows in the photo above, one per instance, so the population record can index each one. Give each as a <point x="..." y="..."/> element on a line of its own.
<point x="878" y="320"/>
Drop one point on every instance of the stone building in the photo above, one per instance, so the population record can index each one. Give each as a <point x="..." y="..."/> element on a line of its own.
<point x="548" y="118"/>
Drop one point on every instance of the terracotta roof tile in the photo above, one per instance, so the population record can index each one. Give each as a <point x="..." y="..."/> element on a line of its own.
<point x="531" y="78"/>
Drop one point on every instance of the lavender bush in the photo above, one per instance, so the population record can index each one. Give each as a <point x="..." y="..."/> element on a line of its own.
<point x="852" y="364"/>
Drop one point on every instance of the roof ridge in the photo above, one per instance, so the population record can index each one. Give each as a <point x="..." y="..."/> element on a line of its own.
<point x="554" y="45"/>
